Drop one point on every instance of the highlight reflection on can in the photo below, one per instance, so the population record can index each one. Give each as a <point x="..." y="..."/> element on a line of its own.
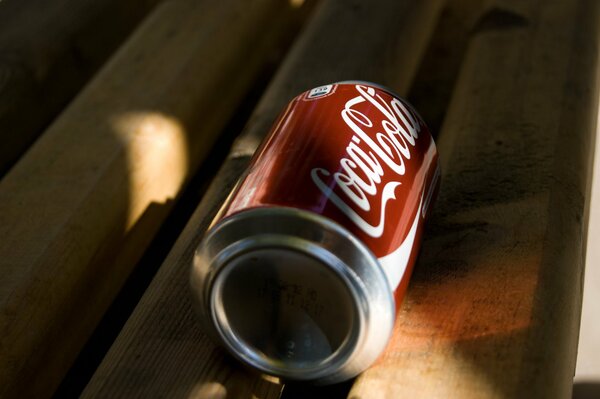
<point x="300" y="274"/>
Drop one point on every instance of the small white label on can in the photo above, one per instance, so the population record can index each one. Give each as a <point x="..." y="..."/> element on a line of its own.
<point x="319" y="91"/>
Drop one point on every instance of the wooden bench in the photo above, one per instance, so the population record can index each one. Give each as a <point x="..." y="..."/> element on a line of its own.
<point x="100" y="217"/>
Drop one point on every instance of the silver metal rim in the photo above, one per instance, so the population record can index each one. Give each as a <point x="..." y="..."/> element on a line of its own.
<point x="334" y="361"/>
<point x="315" y="236"/>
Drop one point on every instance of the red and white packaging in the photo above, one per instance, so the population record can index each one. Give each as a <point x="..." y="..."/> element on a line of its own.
<point x="342" y="185"/>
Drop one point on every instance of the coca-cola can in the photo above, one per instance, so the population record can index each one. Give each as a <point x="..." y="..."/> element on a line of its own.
<point x="301" y="272"/>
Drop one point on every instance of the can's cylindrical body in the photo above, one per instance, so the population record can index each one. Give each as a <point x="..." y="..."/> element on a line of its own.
<point x="300" y="274"/>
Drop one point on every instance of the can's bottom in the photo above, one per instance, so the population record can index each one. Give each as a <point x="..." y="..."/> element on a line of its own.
<point x="293" y="294"/>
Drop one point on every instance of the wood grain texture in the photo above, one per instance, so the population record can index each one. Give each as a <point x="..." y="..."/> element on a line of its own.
<point x="81" y="206"/>
<point x="493" y="307"/>
<point x="161" y="350"/>
<point x="48" y="51"/>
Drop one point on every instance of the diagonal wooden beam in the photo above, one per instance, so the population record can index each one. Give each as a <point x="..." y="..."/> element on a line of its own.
<point x="493" y="307"/>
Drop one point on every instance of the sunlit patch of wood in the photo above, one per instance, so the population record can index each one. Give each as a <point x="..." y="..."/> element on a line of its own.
<point x="157" y="158"/>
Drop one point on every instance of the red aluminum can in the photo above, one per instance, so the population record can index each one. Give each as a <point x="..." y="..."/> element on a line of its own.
<point x="300" y="274"/>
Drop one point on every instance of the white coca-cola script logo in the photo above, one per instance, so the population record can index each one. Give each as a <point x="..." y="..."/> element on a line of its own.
<point x="389" y="141"/>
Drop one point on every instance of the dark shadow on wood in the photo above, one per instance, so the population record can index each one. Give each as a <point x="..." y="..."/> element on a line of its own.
<point x="48" y="52"/>
<point x="434" y="83"/>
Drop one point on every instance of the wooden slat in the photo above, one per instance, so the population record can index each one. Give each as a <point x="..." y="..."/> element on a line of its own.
<point x="161" y="350"/>
<point x="493" y="308"/>
<point x="48" y="50"/>
<point x="81" y="206"/>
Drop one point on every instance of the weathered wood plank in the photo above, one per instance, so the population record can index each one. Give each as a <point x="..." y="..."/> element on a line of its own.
<point x="48" y="50"/>
<point x="493" y="307"/>
<point x="81" y="206"/>
<point x="161" y="350"/>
